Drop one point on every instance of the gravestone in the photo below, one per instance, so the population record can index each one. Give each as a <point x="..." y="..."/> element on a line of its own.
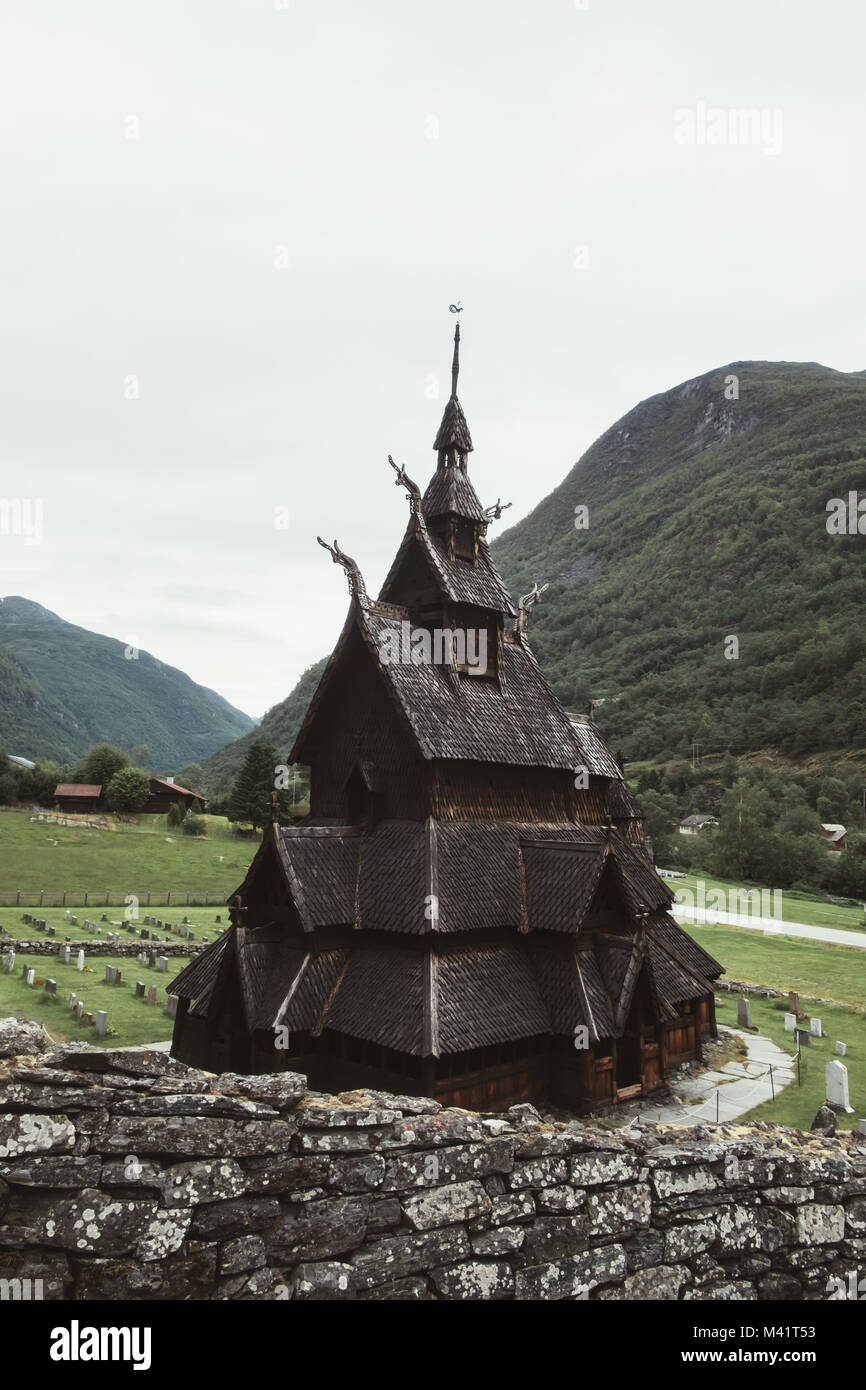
<point x="151" y="995"/>
<point x="840" y="1049"/>
<point x="74" y="921"/>
<point x="109" y="974"/>
<point x="81" y="959"/>
<point x="104" y="917"/>
<point x="65" y="954"/>
<point x="70" y="1003"/>
<point x="101" y="1023"/>
<point x="790" y="1023"/>
<point x="151" y="959"/>
<point x="10" y="966"/>
<point x="79" y="1009"/>
<point x="40" y="926"/>
<point x="837" y="1087"/>
<point x="186" y="921"/>
<point x="171" y="1005"/>
<point x="118" y="977"/>
<point x="219" y="917"/>
<point x="50" y="931"/>
<point x="205" y="940"/>
<point x="861" y="1126"/>
<point x="744" y="1012"/>
<point x="50" y="986"/>
<point x="815" y="1026"/>
<point x="804" y="1037"/>
<point x="190" y="936"/>
<point x="25" y="967"/>
<point x="139" y="989"/>
<point x="794" y="1002"/>
<point x="163" y="963"/>
<point x="145" y="935"/>
<point x="31" y="975"/>
<point x="182" y="930"/>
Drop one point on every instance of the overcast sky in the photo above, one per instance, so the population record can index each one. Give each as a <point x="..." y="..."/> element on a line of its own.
<point x="255" y="215"/>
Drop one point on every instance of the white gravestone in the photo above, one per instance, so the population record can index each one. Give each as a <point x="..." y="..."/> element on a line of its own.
<point x="840" y="1049"/>
<point x="744" y="1013"/>
<point x="815" y="1025"/>
<point x="101" y="1023"/>
<point x="790" y="1023"/>
<point x="837" y="1087"/>
<point x="80" y="960"/>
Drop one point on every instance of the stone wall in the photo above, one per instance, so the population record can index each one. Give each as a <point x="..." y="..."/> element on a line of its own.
<point x="125" y="1175"/>
<point x="95" y="946"/>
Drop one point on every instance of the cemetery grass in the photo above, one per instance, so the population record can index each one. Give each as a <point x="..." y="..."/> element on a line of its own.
<point x="811" y="910"/>
<point x="130" y="1020"/>
<point x="37" y="856"/>
<point x="797" y="1105"/>
<point x="817" y="970"/>
<point x="202" y="920"/>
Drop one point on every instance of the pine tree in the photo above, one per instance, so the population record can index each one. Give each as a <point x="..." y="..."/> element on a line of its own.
<point x="250" y="799"/>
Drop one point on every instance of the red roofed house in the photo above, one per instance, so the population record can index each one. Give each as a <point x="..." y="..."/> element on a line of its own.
<point x="164" y="792"/>
<point x="78" y="796"/>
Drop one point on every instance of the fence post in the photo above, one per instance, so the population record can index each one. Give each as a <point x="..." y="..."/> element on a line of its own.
<point x="187" y="897"/>
<point x="107" y="896"/>
<point x="168" y="898"/>
<point x="85" y="897"/>
<point x="18" y="898"/>
<point x="206" y="896"/>
<point x="148" y="898"/>
<point x="63" y="903"/>
<point x="41" y="896"/>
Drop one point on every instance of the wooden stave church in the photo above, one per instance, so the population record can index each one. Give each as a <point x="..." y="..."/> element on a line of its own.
<point x="470" y="910"/>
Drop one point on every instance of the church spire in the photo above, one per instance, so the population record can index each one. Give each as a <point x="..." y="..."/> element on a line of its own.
<point x="455" y="364"/>
<point x="454" y="442"/>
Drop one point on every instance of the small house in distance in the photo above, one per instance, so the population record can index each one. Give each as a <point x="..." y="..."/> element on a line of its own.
<point x="469" y="911"/>
<point x="693" y="825"/>
<point x="78" y="796"/>
<point x="162" y="795"/>
<point x="836" y="835"/>
<point x="165" y="793"/>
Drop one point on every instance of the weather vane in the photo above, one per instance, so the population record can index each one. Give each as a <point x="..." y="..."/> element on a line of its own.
<point x="456" y="308"/>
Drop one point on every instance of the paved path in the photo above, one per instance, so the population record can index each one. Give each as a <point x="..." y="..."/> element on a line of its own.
<point x="735" y="1088"/>
<point x="769" y="925"/>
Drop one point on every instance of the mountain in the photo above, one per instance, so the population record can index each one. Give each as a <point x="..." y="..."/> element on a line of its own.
<point x="63" y="688"/>
<point x="279" y="727"/>
<point x="708" y="521"/>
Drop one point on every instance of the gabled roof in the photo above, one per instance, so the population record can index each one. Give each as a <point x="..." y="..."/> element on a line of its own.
<point x="459" y="580"/>
<point x="449" y="490"/>
<point x="78" y="789"/>
<point x="176" y="787"/>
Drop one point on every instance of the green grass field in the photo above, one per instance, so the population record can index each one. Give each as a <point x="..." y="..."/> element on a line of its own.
<point x="796" y="907"/>
<point x="814" y="968"/>
<point x="36" y="856"/>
